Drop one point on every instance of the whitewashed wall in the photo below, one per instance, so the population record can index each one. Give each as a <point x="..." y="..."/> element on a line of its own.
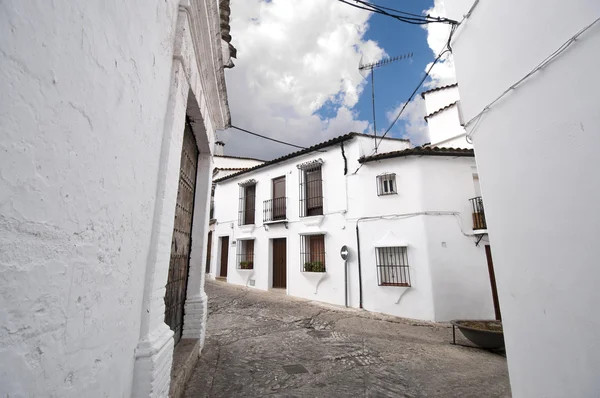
<point x="541" y="200"/>
<point x="438" y="99"/>
<point x="83" y="93"/>
<point x="445" y="128"/>
<point x="460" y="262"/>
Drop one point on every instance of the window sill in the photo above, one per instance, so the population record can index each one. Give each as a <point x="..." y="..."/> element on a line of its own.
<point x="312" y="220"/>
<point x="313" y="272"/>
<point x="395" y="284"/>
<point x="276" y="221"/>
<point x="388" y="194"/>
<point x="246" y="227"/>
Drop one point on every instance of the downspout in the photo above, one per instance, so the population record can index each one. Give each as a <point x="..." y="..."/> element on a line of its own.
<point x="360" y="293"/>
<point x="344" y="156"/>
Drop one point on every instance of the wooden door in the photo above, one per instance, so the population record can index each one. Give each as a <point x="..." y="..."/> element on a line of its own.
<point x="224" y="255"/>
<point x="279" y="263"/>
<point x="488" y="253"/>
<point x="176" y="287"/>
<point x="279" y="198"/>
<point x="208" y="251"/>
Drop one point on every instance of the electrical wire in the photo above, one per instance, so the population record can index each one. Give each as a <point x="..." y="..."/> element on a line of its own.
<point x="406" y="17"/>
<point x="546" y="61"/>
<point x="447" y="49"/>
<point x="266" y="138"/>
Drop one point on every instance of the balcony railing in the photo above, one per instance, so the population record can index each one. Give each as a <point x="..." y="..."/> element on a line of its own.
<point x="275" y="210"/>
<point x="478" y="213"/>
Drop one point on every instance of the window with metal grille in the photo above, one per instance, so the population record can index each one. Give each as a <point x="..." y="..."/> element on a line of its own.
<point x="245" y="255"/>
<point x="247" y="204"/>
<point x="386" y="184"/>
<point x="392" y="266"/>
<point x="311" y="190"/>
<point x="312" y="253"/>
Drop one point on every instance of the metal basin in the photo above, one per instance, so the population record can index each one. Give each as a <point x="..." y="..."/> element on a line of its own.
<point x="483" y="333"/>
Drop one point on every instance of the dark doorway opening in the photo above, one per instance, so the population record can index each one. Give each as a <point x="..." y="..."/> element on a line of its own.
<point x="279" y="263"/>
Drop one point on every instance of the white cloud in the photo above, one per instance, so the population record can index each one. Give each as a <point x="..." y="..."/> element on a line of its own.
<point x="437" y="37"/>
<point x="415" y="126"/>
<point x="294" y="57"/>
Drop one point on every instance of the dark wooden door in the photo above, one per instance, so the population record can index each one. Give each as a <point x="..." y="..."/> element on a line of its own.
<point x="181" y="242"/>
<point x="279" y="263"/>
<point x="224" y="255"/>
<point x="488" y="253"/>
<point x="279" y="198"/>
<point x="208" y="251"/>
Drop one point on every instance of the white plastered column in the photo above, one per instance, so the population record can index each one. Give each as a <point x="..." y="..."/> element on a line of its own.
<point x="154" y="353"/>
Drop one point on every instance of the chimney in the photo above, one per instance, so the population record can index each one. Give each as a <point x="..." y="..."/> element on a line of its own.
<point x="219" y="147"/>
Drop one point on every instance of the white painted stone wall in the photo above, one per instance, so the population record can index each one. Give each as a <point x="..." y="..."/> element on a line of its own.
<point x="92" y="107"/>
<point x="84" y="89"/>
<point x="445" y="128"/>
<point x="541" y="200"/>
<point x="350" y="198"/>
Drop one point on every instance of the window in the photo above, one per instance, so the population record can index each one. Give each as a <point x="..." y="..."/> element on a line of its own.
<point x="392" y="266"/>
<point x="247" y="202"/>
<point x="312" y="256"/>
<point x="386" y="184"/>
<point x="311" y="189"/>
<point x="245" y="257"/>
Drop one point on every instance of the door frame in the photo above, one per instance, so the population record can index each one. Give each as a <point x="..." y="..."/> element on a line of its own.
<point x="287" y="262"/>
<point x="219" y="255"/>
<point x="492" y="274"/>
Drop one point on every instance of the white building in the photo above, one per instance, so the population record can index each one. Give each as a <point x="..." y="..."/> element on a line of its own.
<point x="535" y="153"/>
<point x="107" y="120"/>
<point x="443" y="117"/>
<point x="404" y="214"/>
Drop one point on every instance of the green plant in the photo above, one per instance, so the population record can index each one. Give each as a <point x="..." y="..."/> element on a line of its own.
<point x="246" y="264"/>
<point x="314" y="266"/>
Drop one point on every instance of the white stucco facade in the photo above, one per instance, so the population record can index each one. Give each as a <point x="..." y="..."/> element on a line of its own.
<point x="430" y="215"/>
<point x="541" y="200"/>
<point x="442" y="107"/>
<point x="93" y="102"/>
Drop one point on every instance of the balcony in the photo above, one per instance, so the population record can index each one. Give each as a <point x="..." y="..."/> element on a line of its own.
<point x="275" y="210"/>
<point x="478" y="213"/>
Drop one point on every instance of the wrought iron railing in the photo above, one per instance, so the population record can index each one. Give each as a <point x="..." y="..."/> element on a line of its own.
<point x="478" y="213"/>
<point x="275" y="209"/>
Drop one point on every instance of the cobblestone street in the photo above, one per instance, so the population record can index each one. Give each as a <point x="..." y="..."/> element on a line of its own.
<point x="261" y="344"/>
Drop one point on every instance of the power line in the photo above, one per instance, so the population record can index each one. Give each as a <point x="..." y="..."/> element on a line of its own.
<point x="447" y="49"/>
<point x="410" y="18"/>
<point x="266" y="138"/>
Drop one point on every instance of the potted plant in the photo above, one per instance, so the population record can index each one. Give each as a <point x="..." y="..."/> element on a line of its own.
<point x="314" y="266"/>
<point x="246" y="264"/>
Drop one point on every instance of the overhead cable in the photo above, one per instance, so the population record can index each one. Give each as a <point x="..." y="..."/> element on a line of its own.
<point x="266" y="138"/>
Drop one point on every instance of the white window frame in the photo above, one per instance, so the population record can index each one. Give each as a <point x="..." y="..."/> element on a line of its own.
<point x="386" y="184"/>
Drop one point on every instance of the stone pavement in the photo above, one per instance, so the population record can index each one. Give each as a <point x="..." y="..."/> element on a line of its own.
<point x="267" y="344"/>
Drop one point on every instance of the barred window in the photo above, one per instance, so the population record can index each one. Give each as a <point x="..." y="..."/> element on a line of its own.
<point x="386" y="184"/>
<point x="245" y="255"/>
<point x="311" y="190"/>
<point x="247" y="204"/>
<point x="312" y="255"/>
<point x="392" y="266"/>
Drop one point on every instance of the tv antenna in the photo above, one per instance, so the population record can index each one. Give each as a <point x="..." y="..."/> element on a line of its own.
<point x="371" y="68"/>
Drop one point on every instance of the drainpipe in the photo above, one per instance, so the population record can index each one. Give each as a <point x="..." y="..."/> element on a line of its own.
<point x="360" y="294"/>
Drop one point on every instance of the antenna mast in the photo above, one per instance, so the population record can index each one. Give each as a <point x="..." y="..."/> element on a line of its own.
<point x="371" y="67"/>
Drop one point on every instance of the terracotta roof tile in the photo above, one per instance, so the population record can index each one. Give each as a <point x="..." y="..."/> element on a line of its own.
<point x="438" y="89"/>
<point x="441" y="110"/>
<point x="419" y="151"/>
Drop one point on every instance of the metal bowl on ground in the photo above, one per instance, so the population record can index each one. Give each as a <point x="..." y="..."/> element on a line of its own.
<point x="483" y="333"/>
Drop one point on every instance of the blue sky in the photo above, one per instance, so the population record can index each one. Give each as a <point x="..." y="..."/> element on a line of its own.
<point x="296" y="75"/>
<point x="396" y="81"/>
